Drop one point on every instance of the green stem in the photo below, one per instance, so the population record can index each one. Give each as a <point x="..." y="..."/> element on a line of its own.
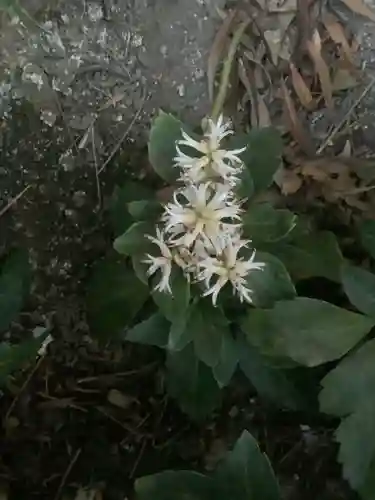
<point x="225" y="74"/>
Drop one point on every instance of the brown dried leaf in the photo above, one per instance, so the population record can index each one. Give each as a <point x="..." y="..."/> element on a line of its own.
<point x="321" y="169"/>
<point x="217" y="49"/>
<point x="277" y="6"/>
<point x="337" y="33"/>
<point x="277" y="44"/>
<point x="360" y="7"/>
<point x="295" y="126"/>
<point x="346" y="150"/>
<point x="288" y="181"/>
<point x="343" y="80"/>
<point x="300" y="87"/>
<point x="314" y="48"/>
<point x="243" y="76"/>
<point x="264" y="119"/>
<point x="260" y="116"/>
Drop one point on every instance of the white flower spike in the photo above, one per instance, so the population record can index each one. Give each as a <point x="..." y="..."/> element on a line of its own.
<point x="202" y="225"/>
<point x="229" y="267"/>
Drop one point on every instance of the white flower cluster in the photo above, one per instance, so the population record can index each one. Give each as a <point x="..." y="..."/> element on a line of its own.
<point x="202" y="225"/>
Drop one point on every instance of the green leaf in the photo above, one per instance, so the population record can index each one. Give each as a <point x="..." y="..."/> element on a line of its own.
<point x="148" y="210"/>
<point x="245" y="187"/>
<point x="191" y="383"/>
<point x="246" y="474"/>
<point x="173" y="485"/>
<point x="121" y="219"/>
<point x="367" y="489"/>
<point x="152" y="331"/>
<point x="115" y="296"/>
<point x="264" y="223"/>
<point x="134" y="240"/>
<point x="14" y="357"/>
<point x="165" y="131"/>
<point x="309" y="331"/>
<point x="351" y="383"/>
<point x="223" y="371"/>
<point x="270" y="284"/>
<point x="14" y="284"/>
<point x="359" y="286"/>
<point x="357" y="445"/>
<point x="174" y="305"/>
<point x="263" y="156"/>
<point x="180" y="333"/>
<point x="348" y="391"/>
<point x="313" y="255"/>
<point x="140" y="267"/>
<point x="271" y="383"/>
<point x="367" y="235"/>
<point x="208" y="326"/>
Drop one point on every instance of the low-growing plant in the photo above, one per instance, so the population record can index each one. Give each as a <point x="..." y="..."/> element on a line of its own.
<point x="214" y="270"/>
<point x="244" y="474"/>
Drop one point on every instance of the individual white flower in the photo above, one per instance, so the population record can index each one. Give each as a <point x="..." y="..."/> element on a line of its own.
<point x="163" y="262"/>
<point x="213" y="162"/>
<point x="229" y="267"/>
<point x="203" y="212"/>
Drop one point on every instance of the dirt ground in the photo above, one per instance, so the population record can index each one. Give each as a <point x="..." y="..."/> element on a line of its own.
<point x="63" y="432"/>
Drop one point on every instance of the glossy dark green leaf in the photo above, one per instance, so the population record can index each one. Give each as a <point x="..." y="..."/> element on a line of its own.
<point x="263" y="156"/>
<point x="152" y="331"/>
<point x="140" y="267"/>
<point x="165" y="131"/>
<point x="367" y="235"/>
<point x="351" y="383"/>
<point x="245" y="187"/>
<point x="115" y="295"/>
<point x="174" y="305"/>
<point x="180" y="335"/>
<point x="367" y="489"/>
<point x="131" y="191"/>
<point x="173" y="485"/>
<point x="273" y="384"/>
<point x="309" y="331"/>
<point x="264" y="223"/>
<point x="228" y="361"/>
<point x="209" y="326"/>
<point x="359" y="286"/>
<point x="348" y="391"/>
<point x="313" y="255"/>
<point x="246" y="474"/>
<point x="14" y="284"/>
<point x="147" y="210"/>
<point x="191" y="383"/>
<point x="15" y="357"/>
<point x="357" y="444"/>
<point x="270" y="284"/>
<point x="134" y="240"/>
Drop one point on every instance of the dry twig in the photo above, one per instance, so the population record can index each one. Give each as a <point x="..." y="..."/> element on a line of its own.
<point x="330" y="137"/>
<point x="13" y="201"/>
